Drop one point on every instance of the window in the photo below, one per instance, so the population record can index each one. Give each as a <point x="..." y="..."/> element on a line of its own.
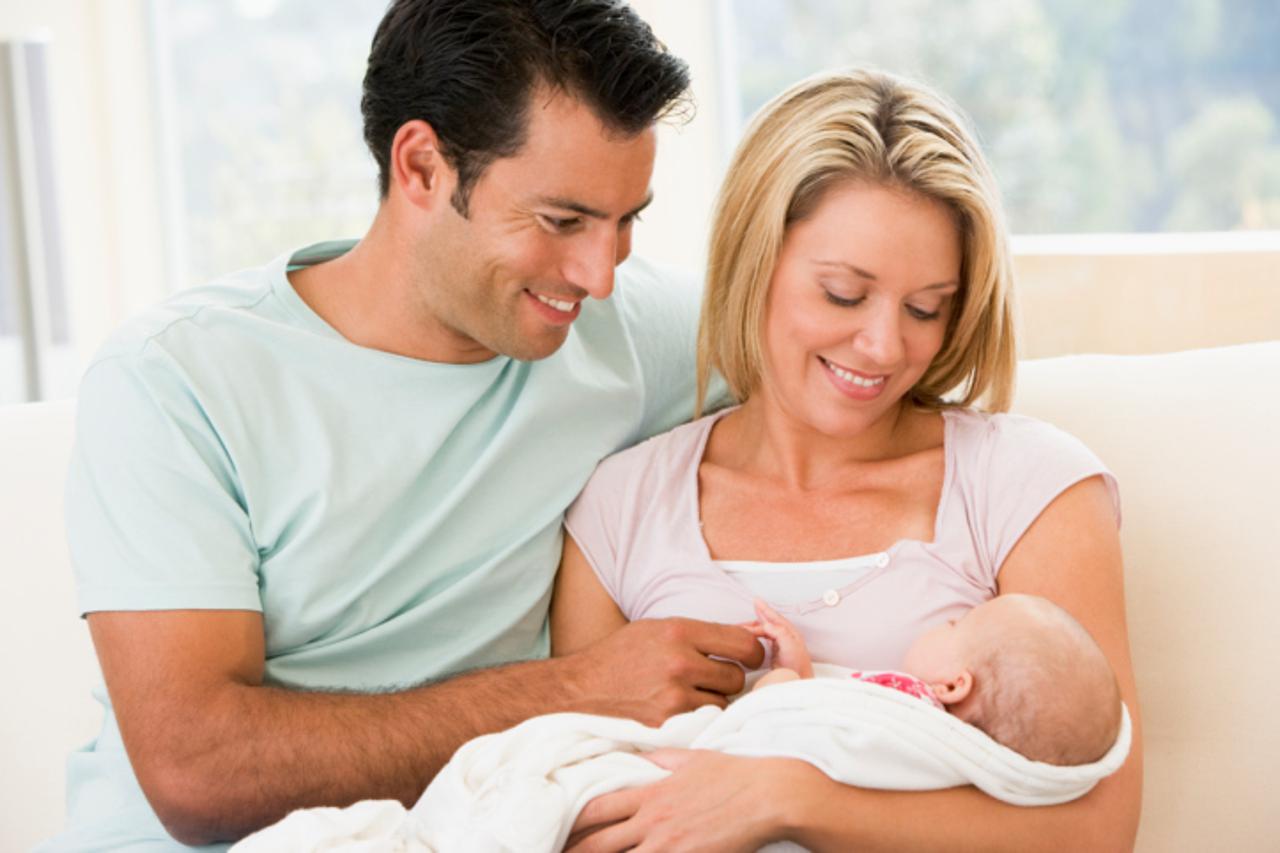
<point x="262" y="114"/>
<point x="1146" y="116"/>
<point x="36" y="360"/>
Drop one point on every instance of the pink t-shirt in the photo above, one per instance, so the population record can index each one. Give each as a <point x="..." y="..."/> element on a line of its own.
<point x="637" y="523"/>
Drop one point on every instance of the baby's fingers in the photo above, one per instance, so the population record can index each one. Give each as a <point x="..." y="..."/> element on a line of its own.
<point x="763" y="610"/>
<point x="770" y="616"/>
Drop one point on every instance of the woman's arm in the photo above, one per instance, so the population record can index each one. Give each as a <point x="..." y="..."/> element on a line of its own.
<point x="582" y="611"/>
<point x="1071" y="555"/>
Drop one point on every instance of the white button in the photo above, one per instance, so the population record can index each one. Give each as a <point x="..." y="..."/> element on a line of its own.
<point x="882" y="560"/>
<point x="831" y="598"/>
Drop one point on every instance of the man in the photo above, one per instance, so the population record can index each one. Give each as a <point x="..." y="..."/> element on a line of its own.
<point x="306" y="497"/>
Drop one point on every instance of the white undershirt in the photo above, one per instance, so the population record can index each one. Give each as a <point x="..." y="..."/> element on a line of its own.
<point x="800" y="583"/>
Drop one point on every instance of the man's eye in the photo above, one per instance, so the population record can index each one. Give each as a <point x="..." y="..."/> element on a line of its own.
<point x="558" y="224"/>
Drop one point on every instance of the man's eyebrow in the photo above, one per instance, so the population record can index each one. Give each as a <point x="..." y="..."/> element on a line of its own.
<point x="861" y="273"/>
<point x="578" y="207"/>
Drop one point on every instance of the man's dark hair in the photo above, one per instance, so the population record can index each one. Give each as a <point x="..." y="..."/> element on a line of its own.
<point x="470" y="67"/>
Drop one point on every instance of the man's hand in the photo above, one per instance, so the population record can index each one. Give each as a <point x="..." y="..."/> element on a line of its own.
<point x="711" y="801"/>
<point x="789" y="650"/>
<point x="651" y="669"/>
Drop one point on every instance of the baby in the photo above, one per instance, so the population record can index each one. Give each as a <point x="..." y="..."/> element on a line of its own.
<point x="1018" y="667"/>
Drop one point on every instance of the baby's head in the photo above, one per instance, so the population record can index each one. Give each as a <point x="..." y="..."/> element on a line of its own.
<point x="1026" y="673"/>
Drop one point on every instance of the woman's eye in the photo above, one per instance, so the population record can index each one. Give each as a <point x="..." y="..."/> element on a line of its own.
<point x="921" y="314"/>
<point x="842" y="301"/>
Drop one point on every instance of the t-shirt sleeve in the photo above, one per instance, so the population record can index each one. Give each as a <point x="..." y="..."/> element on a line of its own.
<point x="155" y="518"/>
<point x="661" y="308"/>
<point x="597" y="520"/>
<point x="1028" y="463"/>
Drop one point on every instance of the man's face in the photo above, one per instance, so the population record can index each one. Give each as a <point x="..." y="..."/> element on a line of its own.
<point x="544" y="231"/>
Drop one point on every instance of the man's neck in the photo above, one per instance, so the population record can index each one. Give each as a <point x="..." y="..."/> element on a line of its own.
<point x="370" y="296"/>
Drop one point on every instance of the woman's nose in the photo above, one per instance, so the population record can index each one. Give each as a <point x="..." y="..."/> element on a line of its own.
<point x="880" y="338"/>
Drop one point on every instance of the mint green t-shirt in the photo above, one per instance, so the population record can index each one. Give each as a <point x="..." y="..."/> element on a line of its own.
<point x="394" y="520"/>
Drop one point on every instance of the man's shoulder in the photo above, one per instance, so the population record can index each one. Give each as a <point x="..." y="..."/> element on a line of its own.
<point x="646" y="292"/>
<point x="674" y="450"/>
<point x="182" y="314"/>
<point x="638" y="270"/>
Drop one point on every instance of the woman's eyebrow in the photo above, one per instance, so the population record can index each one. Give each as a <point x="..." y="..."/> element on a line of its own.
<point x="869" y="276"/>
<point x="858" y="271"/>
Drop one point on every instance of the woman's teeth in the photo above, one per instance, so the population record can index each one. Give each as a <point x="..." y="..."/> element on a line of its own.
<point x="847" y="376"/>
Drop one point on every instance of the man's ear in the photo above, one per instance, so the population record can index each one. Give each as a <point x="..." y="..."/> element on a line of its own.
<point x="418" y="168"/>
<point x="953" y="689"/>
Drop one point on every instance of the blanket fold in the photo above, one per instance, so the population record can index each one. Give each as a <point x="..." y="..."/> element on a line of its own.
<point x="522" y="789"/>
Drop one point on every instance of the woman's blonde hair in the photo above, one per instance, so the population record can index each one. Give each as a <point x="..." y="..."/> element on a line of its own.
<point x="859" y="126"/>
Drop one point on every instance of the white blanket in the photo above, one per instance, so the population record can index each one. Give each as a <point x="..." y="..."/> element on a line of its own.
<point x="522" y="789"/>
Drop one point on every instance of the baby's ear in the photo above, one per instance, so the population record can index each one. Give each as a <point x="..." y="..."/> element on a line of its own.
<point x="954" y="689"/>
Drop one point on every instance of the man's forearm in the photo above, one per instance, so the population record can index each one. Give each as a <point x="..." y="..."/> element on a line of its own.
<point x="251" y="754"/>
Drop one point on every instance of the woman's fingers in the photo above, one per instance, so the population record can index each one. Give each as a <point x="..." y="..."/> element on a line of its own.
<point x="611" y="839"/>
<point x="670" y="759"/>
<point x="600" y="826"/>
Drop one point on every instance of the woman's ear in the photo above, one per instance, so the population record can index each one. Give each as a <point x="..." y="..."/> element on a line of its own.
<point x="954" y="689"/>
<point x="419" y="171"/>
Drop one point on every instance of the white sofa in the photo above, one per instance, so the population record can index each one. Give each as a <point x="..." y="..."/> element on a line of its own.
<point x="1192" y="437"/>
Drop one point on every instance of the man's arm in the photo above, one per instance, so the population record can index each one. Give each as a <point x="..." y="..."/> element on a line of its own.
<point x="219" y="754"/>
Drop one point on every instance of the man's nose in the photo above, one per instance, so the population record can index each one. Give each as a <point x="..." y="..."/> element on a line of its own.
<point x="592" y="265"/>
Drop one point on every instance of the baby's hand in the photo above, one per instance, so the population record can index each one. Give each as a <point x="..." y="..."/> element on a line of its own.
<point x="789" y="650"/>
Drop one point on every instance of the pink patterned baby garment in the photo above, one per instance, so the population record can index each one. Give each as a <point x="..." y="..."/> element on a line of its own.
<point x="908" y="684"/>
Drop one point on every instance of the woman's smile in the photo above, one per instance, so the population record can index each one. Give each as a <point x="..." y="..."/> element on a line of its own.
<point x="853" y="383"/>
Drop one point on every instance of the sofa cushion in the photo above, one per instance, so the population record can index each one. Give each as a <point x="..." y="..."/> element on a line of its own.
<point x="1192" y="438"/>
<point x="48" y="663"/>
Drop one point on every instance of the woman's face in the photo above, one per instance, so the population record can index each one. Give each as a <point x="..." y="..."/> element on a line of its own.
<point x="858" y="305"/>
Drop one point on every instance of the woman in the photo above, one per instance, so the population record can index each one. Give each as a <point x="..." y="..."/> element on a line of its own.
<point x="858" y="305"/>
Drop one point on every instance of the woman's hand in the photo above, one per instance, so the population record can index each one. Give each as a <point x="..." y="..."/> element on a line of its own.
<point x="711" y="801"/>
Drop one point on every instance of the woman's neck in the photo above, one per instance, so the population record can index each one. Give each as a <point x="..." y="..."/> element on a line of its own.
<point x="766" y="440"/>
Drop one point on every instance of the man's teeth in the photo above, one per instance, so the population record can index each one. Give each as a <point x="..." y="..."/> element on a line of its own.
<point x="558" y="304"/>
<point x="854" y="378"/>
